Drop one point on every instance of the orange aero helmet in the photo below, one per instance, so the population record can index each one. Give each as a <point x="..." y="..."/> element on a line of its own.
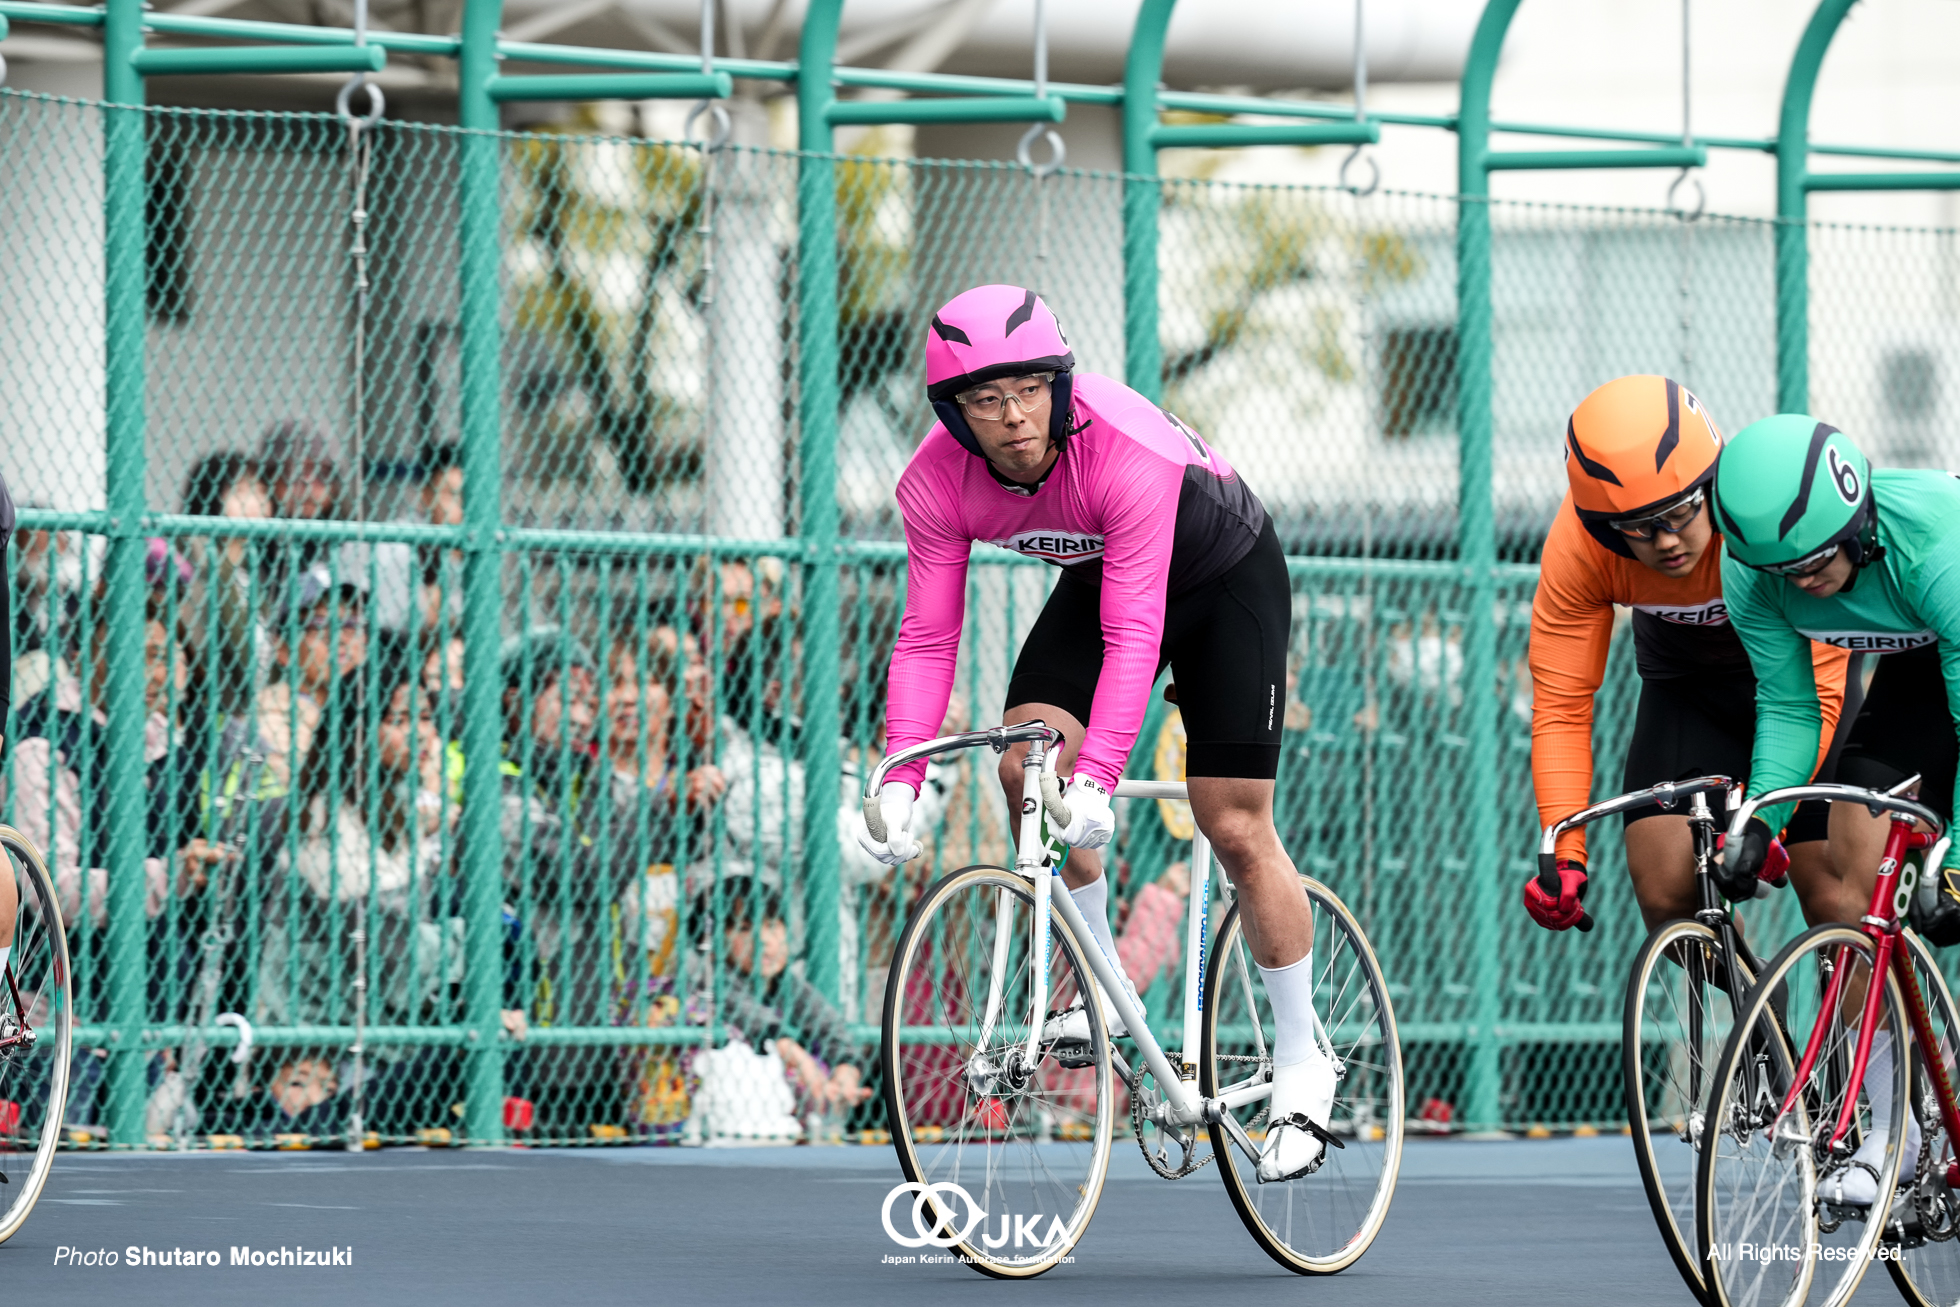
<point x="1634" y="446"/>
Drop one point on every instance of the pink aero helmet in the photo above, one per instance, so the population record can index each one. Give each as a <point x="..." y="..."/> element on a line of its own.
<point x="991" y="332"/>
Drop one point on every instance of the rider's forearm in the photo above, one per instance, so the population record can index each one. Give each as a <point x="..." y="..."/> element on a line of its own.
<point x="923" y="660"/>
<point x="1789" y="720"/>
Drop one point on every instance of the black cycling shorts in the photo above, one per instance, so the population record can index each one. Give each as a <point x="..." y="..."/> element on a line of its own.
<point x="1225" y="642"/>
<point x="1689" y="726"/>
<point x="1905" y="728"/>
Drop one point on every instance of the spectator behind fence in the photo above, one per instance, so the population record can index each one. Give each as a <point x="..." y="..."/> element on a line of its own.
<point x="572" y="850"/>
<point x="298" y="464"/>
<point x="559" y="854"/>
<point x="366" y="845"/>
<point x="859" y="873"/>
<point x="319" y="635"/>
<point x="301" y="1098"/>
<point x="642" y="746"/>
<point x="768" y="1009"/>
<point x="60" y="765"/>
<point x="420" y="587"/>
<point x="229" y="643"/>
<point x="736" y="716"/>
<point x="47" y="603"/>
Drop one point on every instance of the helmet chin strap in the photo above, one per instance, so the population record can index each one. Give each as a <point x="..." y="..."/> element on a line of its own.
<point x="1863" y="548"/>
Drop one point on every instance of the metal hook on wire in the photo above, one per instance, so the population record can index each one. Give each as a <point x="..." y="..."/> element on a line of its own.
<point x="377" y="103"/>
<point x="1701" y="196"/>
<point x="723" y="126"/>
<point x="1360" y="112"/>
<point x="343" y="102"/>
<point x="1057" y="150"/>
<point x="1687" y="132"/>
<point x="1374" y="173"/>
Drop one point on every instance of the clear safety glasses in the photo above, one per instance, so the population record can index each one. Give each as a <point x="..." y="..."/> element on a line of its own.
<point x="1673" y="519"/>
<point x="990" y="404"/>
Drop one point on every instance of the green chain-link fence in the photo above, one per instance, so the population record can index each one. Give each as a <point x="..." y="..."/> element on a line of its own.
<point x="302" y="832"/>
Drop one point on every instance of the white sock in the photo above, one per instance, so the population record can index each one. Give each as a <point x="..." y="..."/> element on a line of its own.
<point x="1093" y="900"/>
<point x="1290" y="990"/>
<point x="5" y="949"/>
<point x="1878" y="1084"/>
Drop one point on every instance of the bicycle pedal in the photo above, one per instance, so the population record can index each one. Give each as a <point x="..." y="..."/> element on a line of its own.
<point x="1073" y="1056"/>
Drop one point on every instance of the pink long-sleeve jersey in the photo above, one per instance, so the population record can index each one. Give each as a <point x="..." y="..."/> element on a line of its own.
<point x="1136" y="501"/>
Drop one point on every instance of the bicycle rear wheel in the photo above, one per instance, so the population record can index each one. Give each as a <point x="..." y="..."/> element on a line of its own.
<point x="1925" y="1246"/>
<point x="1012" y="1158"/>
<point x="36" y="1034"/>
<point x="1678" y="1014"/>
<point x="1321" y="1223"/>
<point x="1766" y="1234"/>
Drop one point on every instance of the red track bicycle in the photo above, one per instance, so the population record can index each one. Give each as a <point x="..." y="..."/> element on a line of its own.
<point x="1790" y="1101"/>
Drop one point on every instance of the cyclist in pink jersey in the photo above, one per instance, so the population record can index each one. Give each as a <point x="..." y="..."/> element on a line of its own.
<point x="1167" y="558"/>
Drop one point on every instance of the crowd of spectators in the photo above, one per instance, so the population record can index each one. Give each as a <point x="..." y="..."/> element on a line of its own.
<point x="303" y="803"/>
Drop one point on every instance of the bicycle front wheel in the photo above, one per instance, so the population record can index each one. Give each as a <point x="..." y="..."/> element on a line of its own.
<point x="37" y="1007"/>
<point x="1320" y="1223"/>
<point x="1008" y="1159"/>
<point x="1925" y="1258"/>
<point x="1769" y="1234"/>
<point x="1680" y="1007"/>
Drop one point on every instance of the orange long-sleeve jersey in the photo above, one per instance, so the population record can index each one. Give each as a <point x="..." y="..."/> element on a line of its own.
<point x="1681" y="628"/>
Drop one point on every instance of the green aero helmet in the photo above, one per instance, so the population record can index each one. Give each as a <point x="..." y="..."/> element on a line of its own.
<point x="1789" y="489"/>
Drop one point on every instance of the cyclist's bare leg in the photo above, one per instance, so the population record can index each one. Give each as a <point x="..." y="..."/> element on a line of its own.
<point x="1084" y="866"/>
<point x="1661" y="863"/>
<point x="9" y="905"/>
<point x="1820" y="890"/>
<point x="1237" y="817"/>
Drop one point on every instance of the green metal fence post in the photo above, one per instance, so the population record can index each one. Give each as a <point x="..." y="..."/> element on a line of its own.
<point x="125" y="142"/>
<point x="1143" y="351"/>
<point x="1793" y="209"/>
<point x="1477" y="552"/>
<point x="816" y="411"/>
<point x="478" y="194"/>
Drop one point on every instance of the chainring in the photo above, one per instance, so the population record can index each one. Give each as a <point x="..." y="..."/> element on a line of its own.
<point x="1144" y="1105"/>
<point x="1933" y="1202"/>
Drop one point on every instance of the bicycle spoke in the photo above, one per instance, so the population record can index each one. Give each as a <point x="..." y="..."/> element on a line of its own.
<point x="1321" y="1222"/>
<point x="1927" y="1263"/>
<point x="36" y="1017"/>
<point x="965" y="1109"/>
<point x="1770" y="1232"/>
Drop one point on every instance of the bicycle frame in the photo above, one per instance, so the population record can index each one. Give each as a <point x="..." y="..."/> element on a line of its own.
<point x="1184" y="1105"/>
<point x="1891" y="896"/>
<point x="25" y="1037"/>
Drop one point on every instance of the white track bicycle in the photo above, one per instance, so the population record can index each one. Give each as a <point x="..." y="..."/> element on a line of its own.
<point x="1004" y="1130"/>
<point x="37" y="1016"/>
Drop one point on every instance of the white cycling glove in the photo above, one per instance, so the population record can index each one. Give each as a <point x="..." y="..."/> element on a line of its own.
<point x="1092" y="823"/>
<point x="895" y="802"/>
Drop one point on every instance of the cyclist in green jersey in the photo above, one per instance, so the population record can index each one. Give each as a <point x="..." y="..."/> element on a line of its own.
<point x="1820" y="547"/>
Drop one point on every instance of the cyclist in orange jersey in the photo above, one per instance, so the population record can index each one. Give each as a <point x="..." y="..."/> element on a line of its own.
<point x="1636" y="529"/>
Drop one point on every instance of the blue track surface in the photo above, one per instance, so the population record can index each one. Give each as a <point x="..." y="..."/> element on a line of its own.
<point x="1561" y="1221"/>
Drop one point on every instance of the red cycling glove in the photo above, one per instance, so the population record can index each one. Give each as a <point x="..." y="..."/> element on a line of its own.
<point x="1759" y="856"/>
<point x="1561" y="911"/>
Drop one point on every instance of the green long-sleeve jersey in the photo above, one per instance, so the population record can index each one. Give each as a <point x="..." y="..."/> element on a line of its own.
<point x="1908" y="599"/>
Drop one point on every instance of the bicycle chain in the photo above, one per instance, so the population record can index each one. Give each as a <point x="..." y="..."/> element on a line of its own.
<point x="1932" y="1201"/>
